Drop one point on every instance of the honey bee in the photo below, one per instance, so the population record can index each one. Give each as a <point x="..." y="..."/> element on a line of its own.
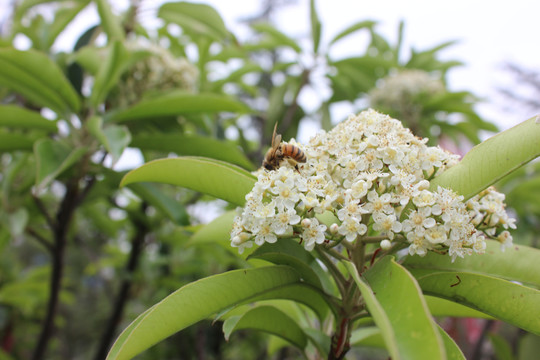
<point x="279" y="151"/>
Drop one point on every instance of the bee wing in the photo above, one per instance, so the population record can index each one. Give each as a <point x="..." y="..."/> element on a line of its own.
<point x="276" y="138"/>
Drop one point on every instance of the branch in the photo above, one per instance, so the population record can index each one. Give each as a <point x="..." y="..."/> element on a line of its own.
<point x="137" y="245"/>
<point x="41" y="239"/>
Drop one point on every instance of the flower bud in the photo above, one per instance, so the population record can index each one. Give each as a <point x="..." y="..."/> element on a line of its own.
<point x="386" y="244"/>
<point x="334" y="228"/>
<point x="306" y="223"/>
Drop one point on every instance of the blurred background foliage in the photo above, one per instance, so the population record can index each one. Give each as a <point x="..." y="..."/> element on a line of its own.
<point x="81" y="257"/>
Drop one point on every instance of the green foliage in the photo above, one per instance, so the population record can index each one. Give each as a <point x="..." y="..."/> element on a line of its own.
<point x="200" y="110"/>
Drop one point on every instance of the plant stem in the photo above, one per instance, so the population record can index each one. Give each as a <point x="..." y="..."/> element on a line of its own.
<point x="60" y="229"/>
<point x="137" y="245"/>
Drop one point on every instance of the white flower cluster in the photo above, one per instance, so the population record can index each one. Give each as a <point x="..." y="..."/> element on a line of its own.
<point x="158" y="70"/>
<point x="399" y="90"/>
<point x="373" y="176"/>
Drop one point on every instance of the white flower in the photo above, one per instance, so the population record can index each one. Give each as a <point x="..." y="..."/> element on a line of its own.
<point x="287" y="195"/>
<point x="263" y="230"/>
<point x="436" y="234"/>
<point x="351" y="228"/>
<point x="313" y="234"/>
<point x="378" y="204"/>
<point x="387" y="224"/>
<point x="284" y="220"/>
<point x="365" y="172"/>
<point x="418" y="221"/>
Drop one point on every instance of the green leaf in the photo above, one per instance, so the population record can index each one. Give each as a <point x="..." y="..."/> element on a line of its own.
<point x="513" y="303"/>
<point x="315" y="26"/>
<point x="52" y="159"/>
<point x="453" y="352"/>
<point x="303" y="293"/>
<point x="197" y="301"/>
<point x="195" y="19"/>
<point x="441" y="307"/>
<point x="36" y="77"/>
<point x="501" y="347"/>
<point x="218" y="230"/>
<point x="403" y="303"/>
<point x="493" y="159"/>
<point x="172" y="208"/>
<point x="275" y="37"/>
<point x="14" y="141"/>
<point x="376" y="310"/>
<point x="114" y="138"/>
<point x="283" y="253"/>
<point x="61" y="19"/>
<point x="268" y="319"/>
<point x="367" y="336"/>
<point x="367" y="24"/>
<point x="18" y="117"/>
<point x="193" y="145"/>
<point x="518" y="263"/>
<point x="212" y="177"/>
<point x="180" y="102"/>
<point x="109" y="72"/>
<point x="110" y="23"/>
<point x="529" y="347"/>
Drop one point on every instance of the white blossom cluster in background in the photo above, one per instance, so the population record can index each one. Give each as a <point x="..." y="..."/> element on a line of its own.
<point x="397" y="91"/>
<point x="365" y="171"/>
<point x="157" y="70"/>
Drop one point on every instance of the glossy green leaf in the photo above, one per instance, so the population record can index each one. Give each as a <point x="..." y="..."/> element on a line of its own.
<point x="35" y="76"/>
<point x="453" y="352"/>
<point x="366" y="24"/>
<point x="529" y="347"/>
<point x="170" y="316"/>
<point x="212" y="177"/>
<point x="18" y="117"/>
<point x="268" y="319"/>
<point x="441" y="307"/>
<point x="518" y="263"/>
<point x="493" y="159"/>
<point x="377" y="311"/>
<point x="195" y="19"/>
<point x="218" y="230"/>
<point x="14" y="141"/>
<point x="109" y="72"/>
<point x="193" y="145"/>
<point x="110" y="23"/>
<point x="303" y="293"/>
<point x="52" y="159"/>
<point x="367" y="336"/>
<point x="180" y="102"/>
<point x="501" y="347"/>
<point x="172" y="208"/>
<point x="513" y="303"/>
<point x="275" y="37"/>
<point x="402" y="300"/>
<point x="114" y="138"/>
<point x="289" y="252"/>
<point x="315" y="26"/>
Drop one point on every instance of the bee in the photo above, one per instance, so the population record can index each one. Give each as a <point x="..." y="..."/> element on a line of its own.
<point x="279" y="151"/>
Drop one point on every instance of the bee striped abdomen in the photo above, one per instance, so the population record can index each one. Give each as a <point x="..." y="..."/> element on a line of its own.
<point x="294" y="152"/>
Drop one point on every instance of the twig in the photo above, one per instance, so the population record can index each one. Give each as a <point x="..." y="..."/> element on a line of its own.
<point x="137" y="245"/>
<point x="63" y="221"/>
<point x="43" y="209"/>
<point x="41" y="239"/>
